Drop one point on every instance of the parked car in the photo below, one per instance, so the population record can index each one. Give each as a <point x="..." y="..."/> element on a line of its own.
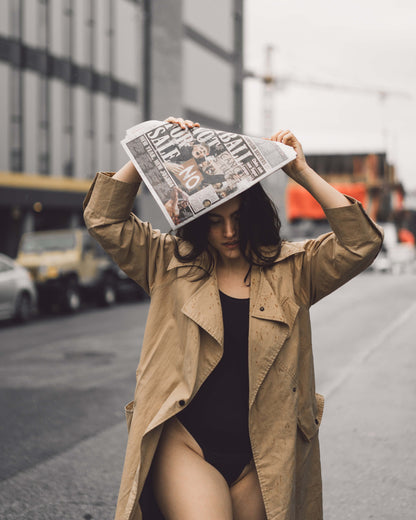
<point x="17" y="292"/>
<point x="395" y="257"/>
<point x="67" y="267"/>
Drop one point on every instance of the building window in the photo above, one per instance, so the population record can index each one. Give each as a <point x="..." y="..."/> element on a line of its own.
<point x="90" y="113"/>
<point x="16" y="87"/>
<point x="44" y="106"/>
<point x="68" y="94"/>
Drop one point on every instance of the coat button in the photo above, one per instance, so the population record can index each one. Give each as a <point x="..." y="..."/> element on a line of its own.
<point x="181" y="402"/>
<point x="294" y="389"/>
<point x="262" y="308"/>
<point x="316" y="421"/>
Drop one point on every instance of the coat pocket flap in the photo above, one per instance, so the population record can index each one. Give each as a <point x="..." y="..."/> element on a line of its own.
<point x="309" y="419"/>
<point x="128" y="412"/>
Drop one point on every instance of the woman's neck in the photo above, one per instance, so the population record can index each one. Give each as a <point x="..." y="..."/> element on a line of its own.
<point x="234" y="277"/>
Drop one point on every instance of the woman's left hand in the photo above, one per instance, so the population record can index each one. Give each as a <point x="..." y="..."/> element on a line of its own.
<point x="302" y="173"/>
<point x="298" y="167"/>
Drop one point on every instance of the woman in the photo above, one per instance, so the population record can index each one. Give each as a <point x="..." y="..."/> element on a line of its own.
<point x="224" y="423"/>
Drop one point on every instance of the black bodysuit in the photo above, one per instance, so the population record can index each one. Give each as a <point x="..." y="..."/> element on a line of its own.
<point x="217" y="417"/>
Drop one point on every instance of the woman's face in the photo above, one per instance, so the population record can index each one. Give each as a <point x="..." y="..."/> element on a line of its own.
<point x="223" y="231"/>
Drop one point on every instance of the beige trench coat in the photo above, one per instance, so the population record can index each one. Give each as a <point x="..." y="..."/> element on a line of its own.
<point x="183" y="342"/>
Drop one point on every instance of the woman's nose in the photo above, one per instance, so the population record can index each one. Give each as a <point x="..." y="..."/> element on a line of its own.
<point x="229" y="228"/>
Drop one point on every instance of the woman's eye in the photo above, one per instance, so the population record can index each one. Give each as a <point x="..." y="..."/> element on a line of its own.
<point x="214" y="222"/>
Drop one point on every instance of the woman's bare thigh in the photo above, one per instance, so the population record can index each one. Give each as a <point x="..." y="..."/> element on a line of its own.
<point x="185" y="485"/>
<point x="246" y="496"/>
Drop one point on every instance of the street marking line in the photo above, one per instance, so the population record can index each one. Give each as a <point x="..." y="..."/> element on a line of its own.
<point x="364" y="354"/>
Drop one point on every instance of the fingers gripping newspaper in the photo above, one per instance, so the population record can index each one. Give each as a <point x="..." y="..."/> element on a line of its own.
<point x="190" y="171"/>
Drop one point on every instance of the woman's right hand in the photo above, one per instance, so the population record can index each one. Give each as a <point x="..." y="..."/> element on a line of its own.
<point x="183" y="123"/>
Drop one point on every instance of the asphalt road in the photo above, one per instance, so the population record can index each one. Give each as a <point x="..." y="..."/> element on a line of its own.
<point x="64" y="381"/>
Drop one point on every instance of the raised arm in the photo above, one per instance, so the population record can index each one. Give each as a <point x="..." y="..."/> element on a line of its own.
<point x="141" y="252"/>
<point x="128" y="173"/>
<point x="334" y="258"/>
<point x="299" y="170"/>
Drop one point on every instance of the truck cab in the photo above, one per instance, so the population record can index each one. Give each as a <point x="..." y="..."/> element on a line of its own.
<point x="67" y="266"/>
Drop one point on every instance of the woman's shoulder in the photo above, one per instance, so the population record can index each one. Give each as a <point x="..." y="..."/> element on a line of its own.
<point x="287" y="250"/>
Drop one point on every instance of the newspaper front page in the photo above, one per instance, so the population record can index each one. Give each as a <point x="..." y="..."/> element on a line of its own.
<point x="190" y="171"/>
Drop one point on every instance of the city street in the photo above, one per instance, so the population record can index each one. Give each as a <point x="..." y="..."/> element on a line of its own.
<point x="64" y="381"/>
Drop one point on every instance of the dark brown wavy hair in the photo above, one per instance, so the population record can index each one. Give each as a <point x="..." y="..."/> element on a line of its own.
<point x="258" y="232"/>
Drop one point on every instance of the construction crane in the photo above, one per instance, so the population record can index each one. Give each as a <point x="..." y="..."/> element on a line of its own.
<point x="272" y="82"/>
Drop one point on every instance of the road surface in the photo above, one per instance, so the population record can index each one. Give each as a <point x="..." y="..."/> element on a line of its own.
<point x="64" y="381"/>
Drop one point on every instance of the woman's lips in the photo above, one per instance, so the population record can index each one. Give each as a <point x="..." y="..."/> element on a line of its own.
<point x="230" y="245"/>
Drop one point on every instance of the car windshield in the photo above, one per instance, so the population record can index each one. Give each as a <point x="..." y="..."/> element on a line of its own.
<point x="48" y="242"/>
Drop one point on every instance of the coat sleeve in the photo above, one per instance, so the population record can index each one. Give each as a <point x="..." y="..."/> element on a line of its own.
<point x="141" y="252"/>
<point x="334" y="258"/>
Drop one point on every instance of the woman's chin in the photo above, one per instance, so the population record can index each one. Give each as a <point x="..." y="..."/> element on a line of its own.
<point x="230" y="253"/>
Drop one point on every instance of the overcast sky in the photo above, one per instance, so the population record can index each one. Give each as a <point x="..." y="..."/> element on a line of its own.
<point x="363" y="43"/>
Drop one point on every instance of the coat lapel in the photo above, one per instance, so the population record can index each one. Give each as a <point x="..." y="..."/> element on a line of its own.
<point x="204" y="305"/>
<point x="271" y="319"/>
<point x="204" y="308"/>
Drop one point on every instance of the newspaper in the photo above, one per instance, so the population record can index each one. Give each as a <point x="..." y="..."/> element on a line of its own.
<point x="190" y="171"/>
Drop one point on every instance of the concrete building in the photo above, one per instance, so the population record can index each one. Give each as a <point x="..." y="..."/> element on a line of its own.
<point x="75" y="74"/>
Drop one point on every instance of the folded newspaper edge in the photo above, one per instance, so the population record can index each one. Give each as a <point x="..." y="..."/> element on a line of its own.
<point x="191" y="171"/>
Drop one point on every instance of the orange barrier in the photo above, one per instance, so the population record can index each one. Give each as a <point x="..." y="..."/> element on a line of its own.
<point x="406" y="236"/>
<point x="301" y="204"/>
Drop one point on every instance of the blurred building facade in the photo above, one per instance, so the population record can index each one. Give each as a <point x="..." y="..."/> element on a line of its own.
<point x="77" y="73"/>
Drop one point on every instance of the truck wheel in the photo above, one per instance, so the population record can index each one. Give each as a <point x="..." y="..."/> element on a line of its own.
<point x="108" y="295"/>
<point x="72" y="297"/>
<point x="23" y="310"/>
